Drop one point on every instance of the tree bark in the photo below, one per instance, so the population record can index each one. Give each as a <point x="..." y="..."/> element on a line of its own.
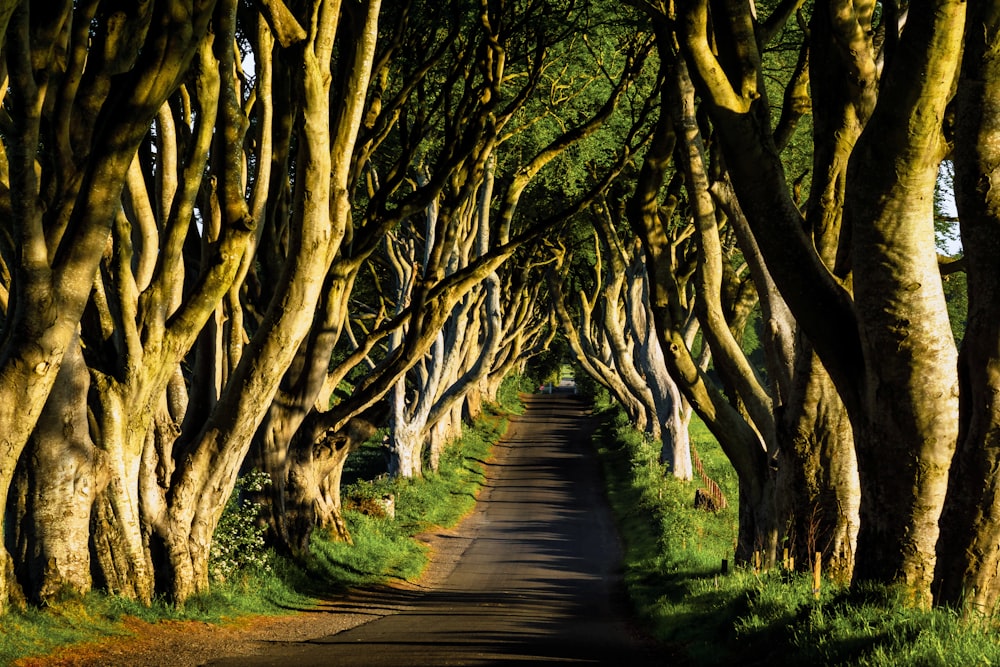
<point x="910" y="404"/>
<point x="65" y="473"/>
<point x="97" y="110"/>
<point x="968" y="568"/>
<point x="675" y="450"/>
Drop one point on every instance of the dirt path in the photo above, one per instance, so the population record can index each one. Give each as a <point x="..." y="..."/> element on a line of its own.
<point x="530" y="576"/>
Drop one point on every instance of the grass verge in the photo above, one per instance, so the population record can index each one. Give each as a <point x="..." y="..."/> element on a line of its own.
<point x="384" y="547"/>
<point x="673" y="574"/>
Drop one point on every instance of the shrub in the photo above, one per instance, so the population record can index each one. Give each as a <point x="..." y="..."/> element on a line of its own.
<point x="238" y="543"/>
<point x="372" y="497"/>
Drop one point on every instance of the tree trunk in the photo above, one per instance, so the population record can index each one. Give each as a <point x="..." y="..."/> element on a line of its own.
<point x="405" y="450"/>
<point x="65" y="473"/>
<point x="276" y="445"/>
<point x="149" y="310"/>
<point x="91" y="131"/>
<point x="968" y="568"/>
<point x="739" y="439"/>
<point x="817" y="470"/>
<point x="890" y="352"/>
<point x="910" y="403"/>
<point x="675" y="442"/>
<point x="312" y="497"/>
<point x="209" y="465"/>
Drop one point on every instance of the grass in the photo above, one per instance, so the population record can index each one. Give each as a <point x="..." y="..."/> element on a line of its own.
<point x="74" y="619"/>
<point x="383" y="549"/>
<point x="673" y="573"/>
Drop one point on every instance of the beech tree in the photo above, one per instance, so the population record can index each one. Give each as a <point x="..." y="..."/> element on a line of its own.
<point x="84" y="83"/>
<point x="318" y="224"/>
<point x="217" y="212"/>
<point x="448" y="124"/>
<point x="141" y="321"/>
<point x="791" y="452"/>
<point x="196" y="202"/>
<point x="857" y="266"/>
<point x="967" y="561"/>
<point x="609" y="330"/>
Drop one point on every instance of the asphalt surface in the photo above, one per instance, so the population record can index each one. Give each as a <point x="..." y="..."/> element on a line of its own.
<point x="539" y="579"/>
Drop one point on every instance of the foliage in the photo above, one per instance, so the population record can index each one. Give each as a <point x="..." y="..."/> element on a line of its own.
<point x="956" y="294"/>
<point x="512" y="386"/>
<point x="238" y="544"/>
<point x="590" y="389"/>
<point x="674" y="576"/>
<point x="547" y="365"/>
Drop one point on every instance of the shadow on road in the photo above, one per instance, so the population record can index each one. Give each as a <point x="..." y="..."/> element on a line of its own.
<point x="538" y="580"/>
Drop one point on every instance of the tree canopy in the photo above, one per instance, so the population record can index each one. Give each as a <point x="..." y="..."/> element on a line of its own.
<point x="246" y="235"/>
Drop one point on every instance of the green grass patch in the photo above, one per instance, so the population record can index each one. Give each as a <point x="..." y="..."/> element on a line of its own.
<point x="36" y="631"/>
<point x="509" y="394"/>
<point x="673" y="558"/>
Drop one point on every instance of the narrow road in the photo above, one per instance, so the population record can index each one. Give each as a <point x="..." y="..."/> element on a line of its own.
<point x="539" y="579"/>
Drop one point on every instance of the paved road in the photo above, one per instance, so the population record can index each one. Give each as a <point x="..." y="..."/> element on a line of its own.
<point x="539" y="579"/>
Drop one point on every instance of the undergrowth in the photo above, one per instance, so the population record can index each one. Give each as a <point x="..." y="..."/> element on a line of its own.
<point x="673" y="566"/>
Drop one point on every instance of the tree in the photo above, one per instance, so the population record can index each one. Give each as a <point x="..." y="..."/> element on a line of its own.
<point x="876" y="317"/>
<point x="458" y="123"/>
<point x="85" y="81"/>
<point x="610" y="333"/>
<point x="967" y="562"/>
<point x="205" y="476"/>
<point x="782" y="432"/>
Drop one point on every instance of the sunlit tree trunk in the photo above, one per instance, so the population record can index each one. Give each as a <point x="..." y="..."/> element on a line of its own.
<point x="670" y="306"/>
<point x="63" y="474"/>
<point x="96" y="111"/>
<point x="206" y="474"/>
<point x="675" y="449"/>
<point x="910" y="403"/>
<point x="897" y="380"/>
<point x="968" y="568"/>
<point x="148" y="309"/>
